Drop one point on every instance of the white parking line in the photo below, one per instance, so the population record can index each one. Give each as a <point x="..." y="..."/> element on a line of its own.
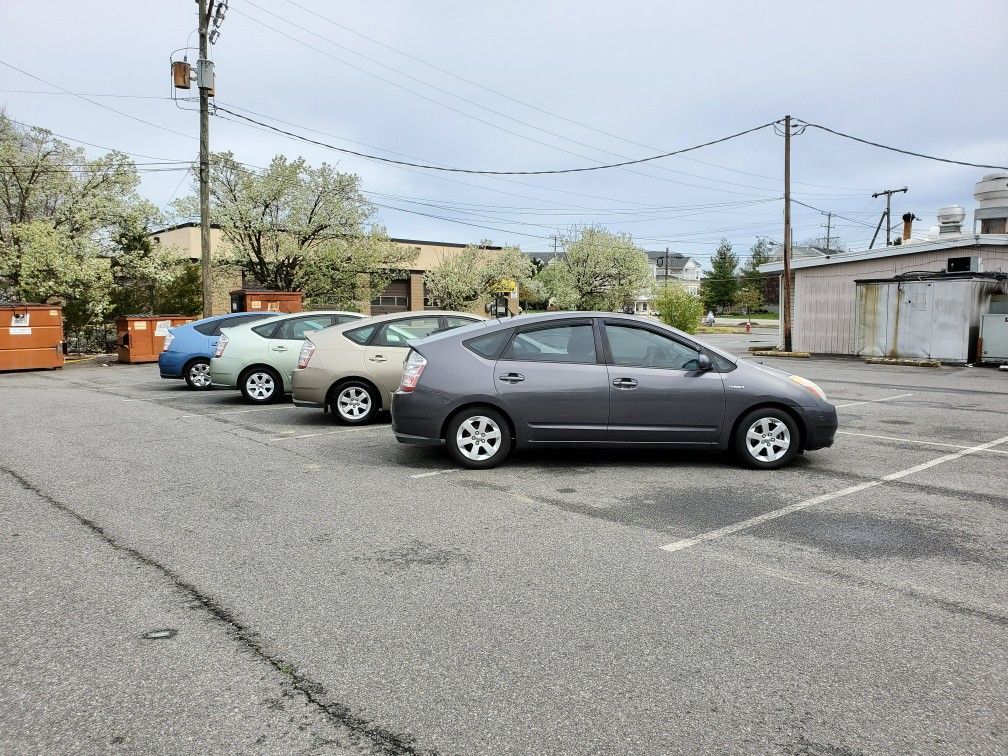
<point x="874" y="401"/>
<point x="226" y="412"/>
<point x="434" y="472"/>
<point x="320" y="433"/>
<point x="917" y="441"/>
<point x="783" y="511"/>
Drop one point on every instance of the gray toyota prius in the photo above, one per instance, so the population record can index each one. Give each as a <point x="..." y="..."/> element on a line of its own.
<point x="600" y="379"/>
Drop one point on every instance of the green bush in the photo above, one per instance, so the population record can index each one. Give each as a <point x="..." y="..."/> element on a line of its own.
<point x="678" y="308"/>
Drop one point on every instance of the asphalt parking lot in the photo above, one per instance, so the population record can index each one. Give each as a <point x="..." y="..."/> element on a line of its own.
<point x="182" y="573"/>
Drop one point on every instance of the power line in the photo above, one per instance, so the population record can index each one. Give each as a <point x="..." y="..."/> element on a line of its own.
<point x="485" y="172"/>
<point x="902" y="151"/>
<point x="95" y="102"/>
<point x="87" y="94"/>
<point x="533" y="106"/>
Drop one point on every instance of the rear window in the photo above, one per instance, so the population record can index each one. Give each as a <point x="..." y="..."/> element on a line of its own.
<point x="208" y="329"/>
<point x="266" y="329"/>
<point x="361" y="335"/>
<point x="490" y="345"/>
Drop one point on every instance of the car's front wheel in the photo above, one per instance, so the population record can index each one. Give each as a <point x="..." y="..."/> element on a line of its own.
<point x="478" y="438"/>
<point x="767" y="439"/>
<point x="197" y="375"/>
<point x="354" y="403"/>
<point x="260" y="385"/>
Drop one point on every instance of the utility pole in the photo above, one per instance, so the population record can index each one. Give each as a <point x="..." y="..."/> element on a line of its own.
<point x="205" y="87"/>
<point x="829" y="219"/>
<point x="786" y="309"/>
<point x="888" y="212"/>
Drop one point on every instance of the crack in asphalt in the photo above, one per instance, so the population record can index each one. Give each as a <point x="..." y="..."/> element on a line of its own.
<point x="381" y="740"/>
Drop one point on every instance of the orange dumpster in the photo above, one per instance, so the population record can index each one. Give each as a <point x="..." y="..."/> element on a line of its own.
<point x="258" y="300"/>
<point x="31" y="336"/>
<point x="140" y="338"/>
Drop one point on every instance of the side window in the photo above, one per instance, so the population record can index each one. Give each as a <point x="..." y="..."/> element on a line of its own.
<point x="490" y="345"/>
<point x="209" y="329"/>
<point x="397" y="332"/>
<point x="294" y="328"/>
<point x="360" y="335"/>
<point x="266" y="329"/>
<point x="337" y="319"/>
<point x="564" y="343"/>
<point x="455" y="321"/>
<point x="636" y="347"/>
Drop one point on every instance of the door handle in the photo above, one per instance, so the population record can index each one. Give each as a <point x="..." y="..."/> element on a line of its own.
<point x="512" y="377"/>
<point x="377" y="358"/>
<point x="279" y="349"/>
<point x="625" y="383"/>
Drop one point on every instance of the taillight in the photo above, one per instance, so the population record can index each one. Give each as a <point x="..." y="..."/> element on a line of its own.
<point x="222" y="343"/>
<point x="307" y="350"/>
<point x="412" y="370"/>
<point x="167" y="341"/>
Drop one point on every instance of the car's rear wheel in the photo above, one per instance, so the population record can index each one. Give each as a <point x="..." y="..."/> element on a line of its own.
<point x="478" y="438"/>
<point x="767" y="439"/>
<point x="260" y="385"/>
<point x="354" y="403"/>
<point x="197" y="375"/>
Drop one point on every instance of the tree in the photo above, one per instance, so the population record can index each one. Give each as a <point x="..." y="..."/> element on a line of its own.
<point x="678" y="308"/>
<point x="532" y="293"/>
<point x="749" y="298"/>
<point x="598" y="270"/>
<point x="62" y="219"/>
<point x="717" y="290"/>
<point x="462" y="280"/>
<point x="759" y="254"/>
<point x="292" y="226"/>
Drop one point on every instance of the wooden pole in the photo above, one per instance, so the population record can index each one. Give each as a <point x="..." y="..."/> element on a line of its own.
<point x="786" y="309"/>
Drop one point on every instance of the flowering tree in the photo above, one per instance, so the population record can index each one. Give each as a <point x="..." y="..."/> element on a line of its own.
<point x="461" y="280"/>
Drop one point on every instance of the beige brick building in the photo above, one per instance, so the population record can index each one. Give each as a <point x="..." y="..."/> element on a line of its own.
<point x="401" y="295"/>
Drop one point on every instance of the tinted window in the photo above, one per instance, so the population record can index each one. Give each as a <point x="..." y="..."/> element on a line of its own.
<point x="208" y="329"/>
<point x="360" y="335"/>
<point x="635" y="347"/>
<point x="295" y="328"/>
<point x="398" y="332"/>
<point x="266" y="329"/>
<point x="234" y="320"/>
<point x="456" y="321"/>
<point x="337" y="319"/>
<point x="489" y="346"/>
<point x="565" y="343"/>
<point x="723" y="364"/>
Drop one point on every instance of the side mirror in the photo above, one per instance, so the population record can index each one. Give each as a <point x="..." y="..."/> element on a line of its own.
<point x="704" y="363"/>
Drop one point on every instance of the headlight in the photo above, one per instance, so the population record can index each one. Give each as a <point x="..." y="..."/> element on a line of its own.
<point x="806" y="384"/>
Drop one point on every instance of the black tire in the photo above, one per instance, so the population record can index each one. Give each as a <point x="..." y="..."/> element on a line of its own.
<point x="353" y="403"/>
<point x="197" y="375"/>
<point x="255" y="384"/>
<point x="482" y="452"/>
<point x="774" y="441"/>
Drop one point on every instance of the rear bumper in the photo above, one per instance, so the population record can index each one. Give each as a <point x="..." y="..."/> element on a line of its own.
<point x="417" y="417"/>
<point x="309" y="386"/>
<point x="224" y="372"/>
<point x="821" y="426"/>
<point x="170" y="364"/>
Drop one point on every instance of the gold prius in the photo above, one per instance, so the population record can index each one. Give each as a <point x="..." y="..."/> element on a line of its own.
<point x="353" y="369"/>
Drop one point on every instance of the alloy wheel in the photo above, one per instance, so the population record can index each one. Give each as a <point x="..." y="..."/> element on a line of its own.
<point x="260" y="386"/>
<point x="768" y="439"/>
<point x="478" y="438"/>
<point x="199" y="375"/>
<point x="353" y="402"/>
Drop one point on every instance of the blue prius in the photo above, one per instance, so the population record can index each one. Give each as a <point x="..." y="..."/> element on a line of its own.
<point x="188" y="348"/>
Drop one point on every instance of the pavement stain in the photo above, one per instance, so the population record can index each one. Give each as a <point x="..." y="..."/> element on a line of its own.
<point x="867" y="537"/>
<point x="417" y="553"/>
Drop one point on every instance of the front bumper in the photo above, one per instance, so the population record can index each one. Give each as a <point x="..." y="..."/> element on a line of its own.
<point x="170" y="364"/>
<point x="821" y="427"/>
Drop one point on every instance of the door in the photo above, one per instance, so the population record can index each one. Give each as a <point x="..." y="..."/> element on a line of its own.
<point x="388" y="349"/>
<point x="284" y="346"/>
<point x="656" y="392"/>
<point x="552" y="377"/>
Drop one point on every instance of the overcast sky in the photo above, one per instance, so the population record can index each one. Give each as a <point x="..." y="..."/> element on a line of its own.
<point x="926" y="76"/>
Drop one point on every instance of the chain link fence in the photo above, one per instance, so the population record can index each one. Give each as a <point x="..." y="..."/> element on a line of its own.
<point x="99" y="338"/>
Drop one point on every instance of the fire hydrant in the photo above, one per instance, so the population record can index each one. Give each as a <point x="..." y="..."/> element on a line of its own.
<point x="748" y="327"/>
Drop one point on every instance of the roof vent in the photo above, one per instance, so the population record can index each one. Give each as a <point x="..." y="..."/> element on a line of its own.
<point x="991" y="194"/>
<point x="950" y="219"/>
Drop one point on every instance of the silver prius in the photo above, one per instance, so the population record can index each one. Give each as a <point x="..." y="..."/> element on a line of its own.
<point x="600" y="379"/>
